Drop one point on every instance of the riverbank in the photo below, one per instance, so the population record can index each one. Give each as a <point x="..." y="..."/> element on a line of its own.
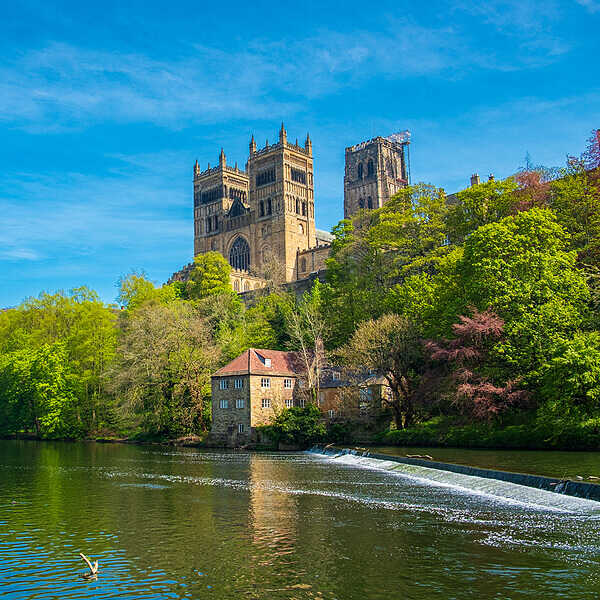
<point x="525" y="435"/>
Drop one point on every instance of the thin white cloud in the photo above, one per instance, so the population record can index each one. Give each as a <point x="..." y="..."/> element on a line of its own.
<point x="67" y="215"/>
<point x="62" y="87"/>
<point x="591" y="6"/>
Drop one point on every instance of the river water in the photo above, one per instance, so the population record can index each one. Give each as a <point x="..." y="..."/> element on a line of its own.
<point x="187" y="523"/>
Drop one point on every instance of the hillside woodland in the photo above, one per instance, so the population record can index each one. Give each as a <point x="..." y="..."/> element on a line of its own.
<point x="480" y="309"/>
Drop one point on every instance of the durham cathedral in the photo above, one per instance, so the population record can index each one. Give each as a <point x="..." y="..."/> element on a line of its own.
<point x="265" y="214"/>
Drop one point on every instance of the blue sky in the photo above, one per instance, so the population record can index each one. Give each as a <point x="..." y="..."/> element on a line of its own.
<point x="104" y="108"/>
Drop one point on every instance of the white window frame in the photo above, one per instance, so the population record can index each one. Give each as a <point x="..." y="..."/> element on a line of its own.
<point x="335" y="376"/>
<point x="239" y="384"/>
<point x="331" y="414"/>
<point x="289" y="402"/>
<point x="265" y="382"/>
<point x="266" y="403"/>
<point x="239" y="403"/>
<point x="223" y="403"/>
<point x="241" y="428"/>
<point x="302" y="402"/>
<point x="288" y="384"/>
<point x="224" y="384"/>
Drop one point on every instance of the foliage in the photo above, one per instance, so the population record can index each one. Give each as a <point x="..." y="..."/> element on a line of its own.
<point x="307" y="329"/>
<point x="210" y="276"/>
<point x="480" y="205"/>
<point x="161" y="377"/>
<point x="392" y="347"/>
<point x="37" y="391"/>
<point x="84" y="328"/>
<point x="297" y="425"/>
<point x="135" y="289"/>
<point x="475" y="392"/>
<point x="570" y="381"/>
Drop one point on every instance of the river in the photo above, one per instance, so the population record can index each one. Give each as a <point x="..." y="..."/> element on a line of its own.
<point x="189" y="523"/>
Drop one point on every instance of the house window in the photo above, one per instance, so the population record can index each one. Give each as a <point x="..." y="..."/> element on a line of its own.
<point x="331" y="414"/>
<point x="321" y="397"/>
<point x="241" y="428"/>
<point x="267" y="362"/>
<point x="289" y="403"/>
<point x="224" y="384"/>
<point x="224" y="403"/>
<point x="335" y="375"/>
<point x="266" y="402"/>
<point x="302" y="403"/>
<point x="265" y="382"/>
<point x="239" y="383"/>
<point x="288" y="384"/>
<point x="239" y="403"/>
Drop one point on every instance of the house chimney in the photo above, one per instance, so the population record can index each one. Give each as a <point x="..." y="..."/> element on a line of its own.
<point x="491" y="177"/>
<point x="474" y="179"/>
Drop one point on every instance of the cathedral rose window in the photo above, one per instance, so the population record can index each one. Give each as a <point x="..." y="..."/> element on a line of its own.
<point x="239" y="255"/>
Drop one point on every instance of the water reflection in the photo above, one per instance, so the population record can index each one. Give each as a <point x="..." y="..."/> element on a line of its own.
<point x="184" y="523"/>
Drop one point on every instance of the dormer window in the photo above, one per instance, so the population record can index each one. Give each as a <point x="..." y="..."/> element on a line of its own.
<point x="267" y="362"/>
<point x="335" y="375"/>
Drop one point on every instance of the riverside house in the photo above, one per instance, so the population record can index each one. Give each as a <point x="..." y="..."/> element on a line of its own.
<point x="258" y="384"/>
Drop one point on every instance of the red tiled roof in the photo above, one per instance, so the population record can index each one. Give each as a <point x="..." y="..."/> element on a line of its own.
<point x="253" y="362"/>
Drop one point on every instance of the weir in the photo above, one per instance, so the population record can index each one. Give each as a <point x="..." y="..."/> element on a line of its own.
<point x="567" y="487"/>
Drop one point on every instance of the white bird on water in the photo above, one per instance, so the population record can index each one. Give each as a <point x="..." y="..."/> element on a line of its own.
<point x="93" y="567"/>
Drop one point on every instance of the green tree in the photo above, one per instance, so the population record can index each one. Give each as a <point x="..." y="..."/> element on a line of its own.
<point x="37" y="392"/>
<point x="161" y="377"/>
<point x="211" y="276"/>
<point x="392" y="347"/>
<point x="480" y="205"/>
<point x="570" y="380"/>
<point x="136" y="288"/>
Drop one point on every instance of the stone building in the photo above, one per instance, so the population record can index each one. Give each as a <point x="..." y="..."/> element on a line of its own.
<point x="258" y="384"/>
<point x="248" y="391"/>
<point x="263" y="213"/>
<point x="375" y="171"/>
<point x="357" y="396"/>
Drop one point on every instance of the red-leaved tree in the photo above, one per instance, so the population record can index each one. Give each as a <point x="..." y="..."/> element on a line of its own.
<point x="467" y="355"/>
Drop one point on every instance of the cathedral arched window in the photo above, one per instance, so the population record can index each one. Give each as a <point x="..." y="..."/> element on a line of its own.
<point x="239" y="255"/>
<point x="360" y="170"/>
<point x="269" y="206"/>
<point x="369" y="202"/>
<point x="236" y="285"/>
<point x="370" y="168"/>
<point x="297" y="206"/>
<point x="303" y="265"/>
<point x="261" y="209"/>
<point x="304" y="209"/>
<point x="361" y="203"/>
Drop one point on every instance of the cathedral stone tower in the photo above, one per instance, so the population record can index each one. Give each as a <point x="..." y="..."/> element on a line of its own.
<point x="263" y="213"/>
<point x="375" y="171"/>
<point x="282" y="198"/>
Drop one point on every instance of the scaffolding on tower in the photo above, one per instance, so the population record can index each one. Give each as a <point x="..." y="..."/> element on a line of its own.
<point x="402" y="138"/>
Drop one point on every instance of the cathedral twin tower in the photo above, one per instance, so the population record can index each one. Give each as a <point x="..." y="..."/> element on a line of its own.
<point x="266" y="213"/>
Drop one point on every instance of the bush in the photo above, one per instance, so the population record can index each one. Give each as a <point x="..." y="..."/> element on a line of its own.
<point x="296" y="425"/>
